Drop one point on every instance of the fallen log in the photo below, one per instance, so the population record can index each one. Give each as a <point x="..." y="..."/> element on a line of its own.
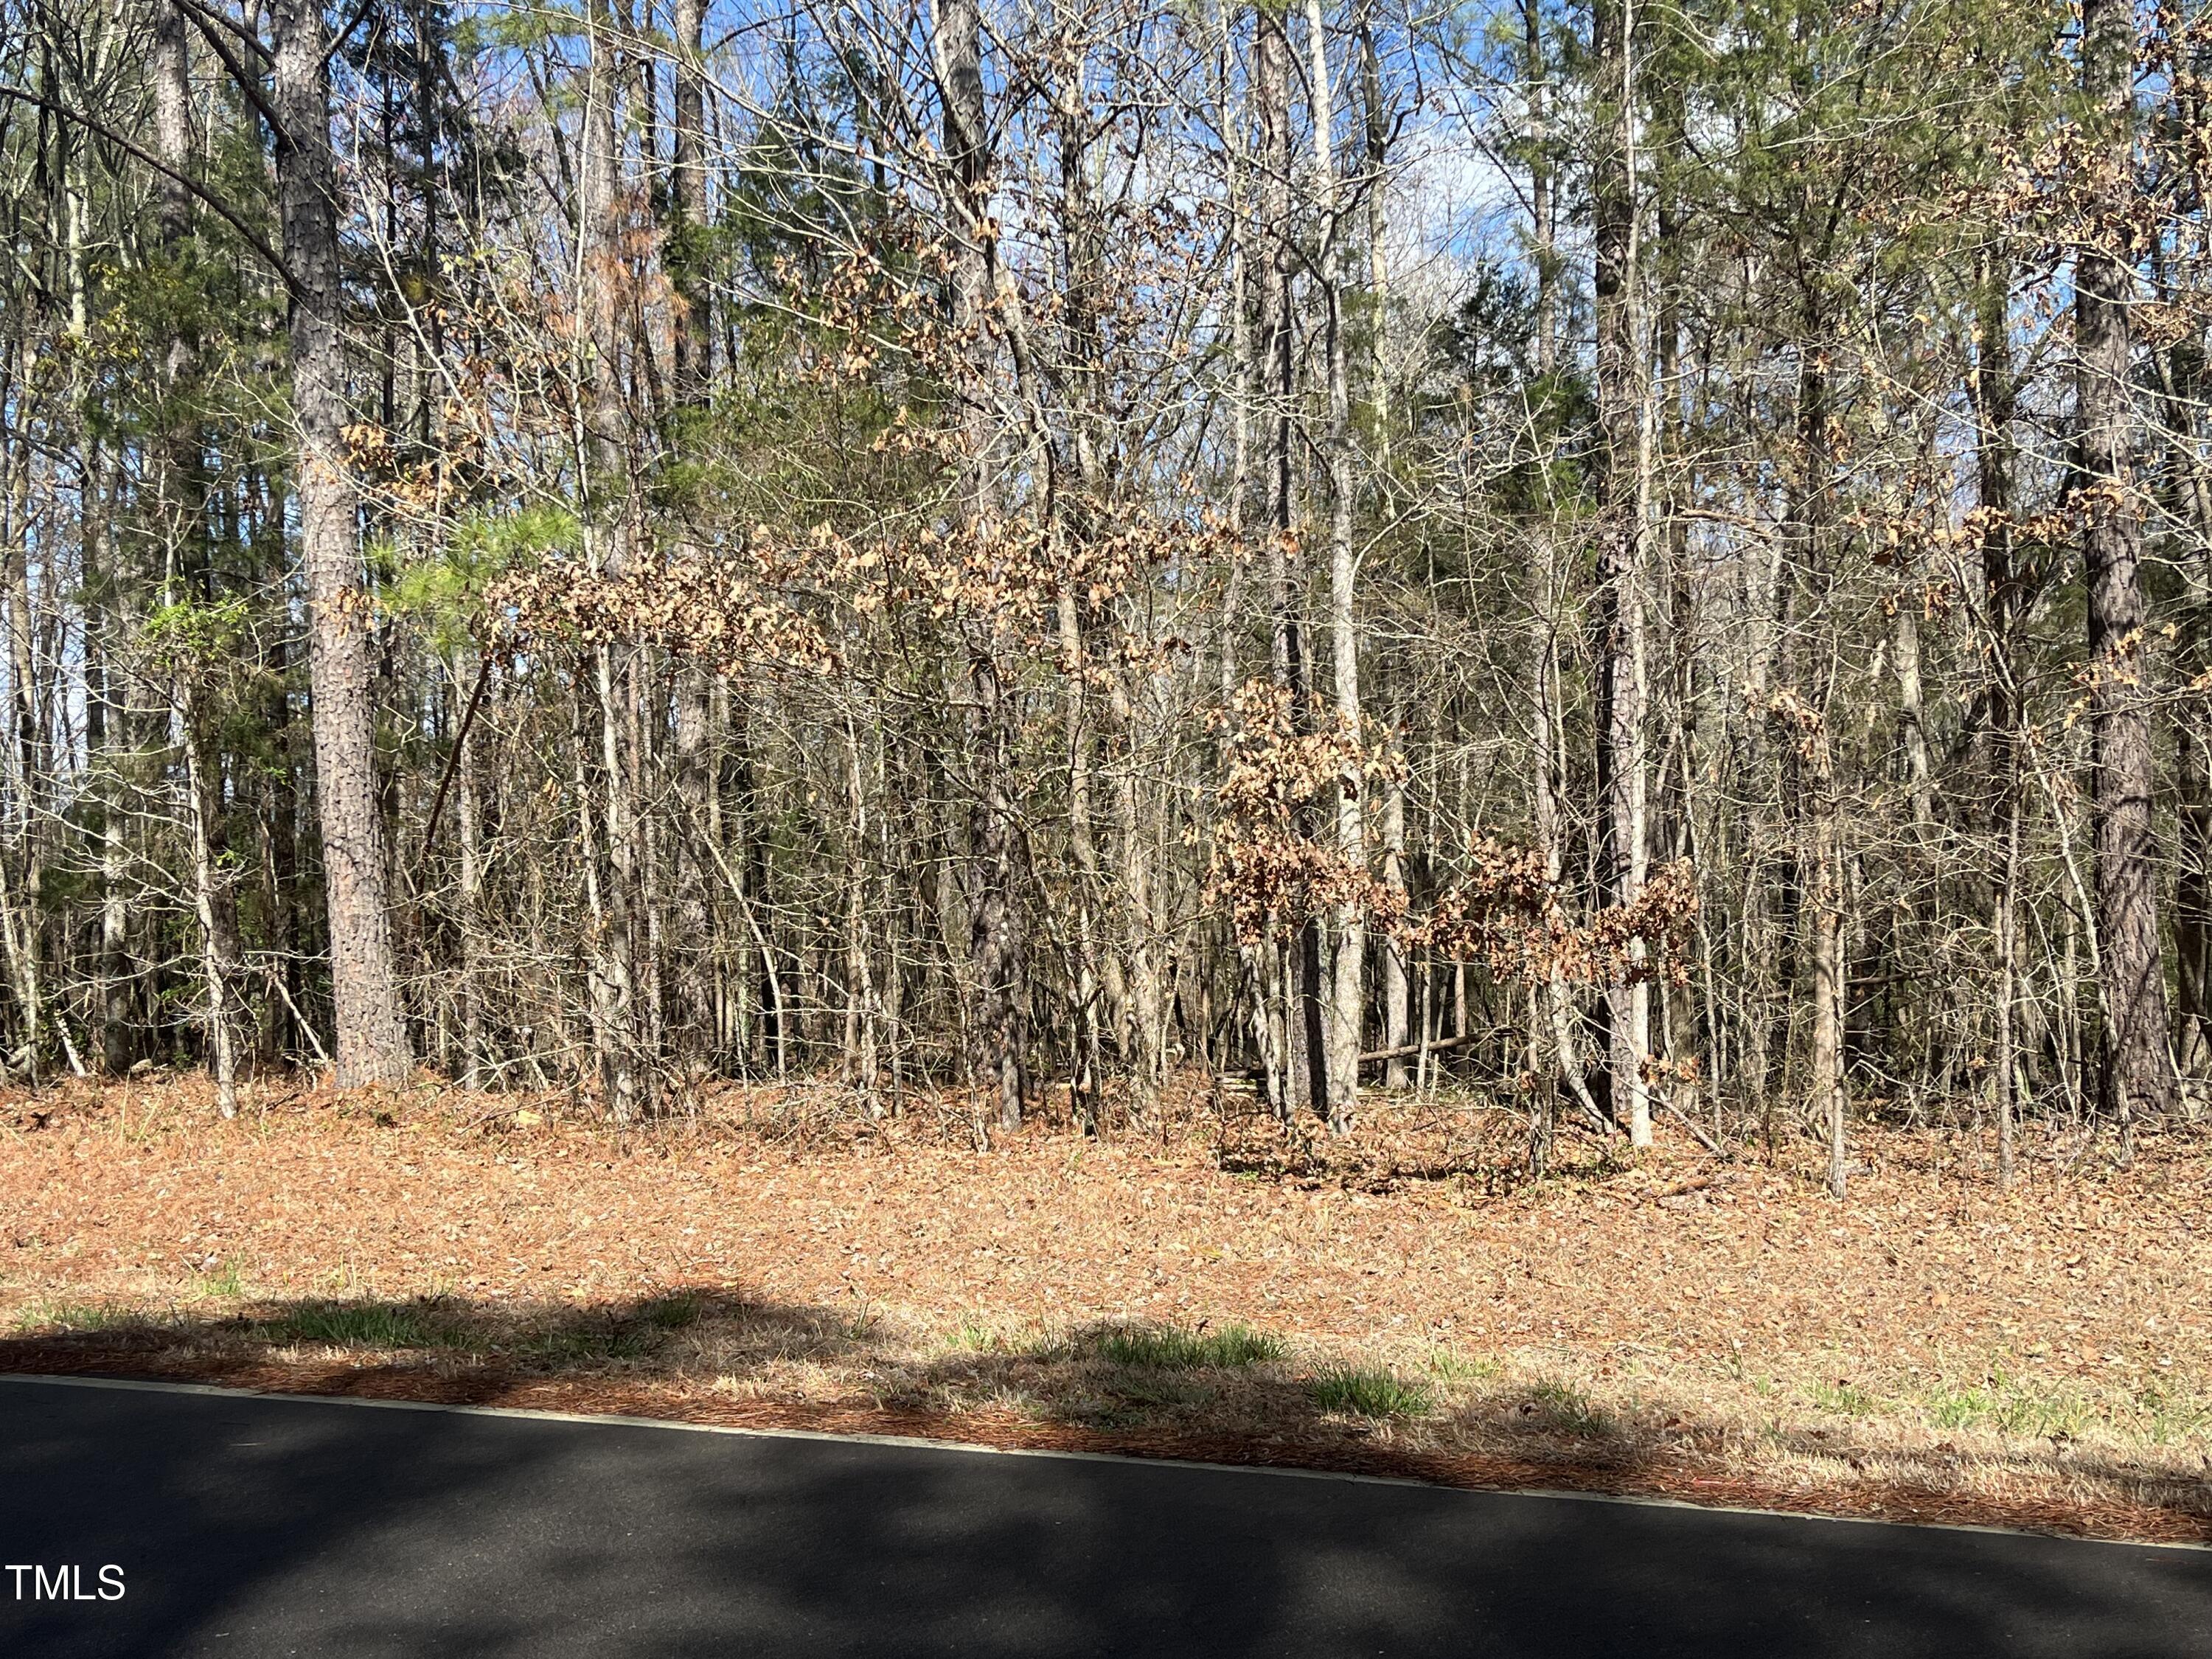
<point x="1441" y="1043"/>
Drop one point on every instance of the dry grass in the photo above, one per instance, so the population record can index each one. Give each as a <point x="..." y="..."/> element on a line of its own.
<point x="1929" y="1347"/>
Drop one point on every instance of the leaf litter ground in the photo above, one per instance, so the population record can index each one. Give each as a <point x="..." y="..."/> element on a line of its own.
<point x="1406" y="1302"/>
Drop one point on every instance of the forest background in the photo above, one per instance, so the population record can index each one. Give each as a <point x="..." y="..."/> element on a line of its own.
<point x="1631" y="572"/>
<point x="1660" y="557"/>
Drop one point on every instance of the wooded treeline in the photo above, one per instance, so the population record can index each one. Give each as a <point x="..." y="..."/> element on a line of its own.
<point x="1650" y="560"/>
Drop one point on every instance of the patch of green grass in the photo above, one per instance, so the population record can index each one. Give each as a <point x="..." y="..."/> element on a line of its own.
<point x="977" y="1336"/>
<point x="222" y="1281"/>
<point x="2009" y="1406"/>
<point x="80" y="1316"/>
<point x="357" y="1325"/>
<point x="2062" y="1409"/>
<point x="1842" y="1399"/>
<point x="2165" y="1415"/>
<point x="1563" y="1406"/>
<point x="1962" y="1408"/>
<point x="1446" y="1366"/>
<point x="1368" y="1391"/>
<point x="1166" y="1348"/>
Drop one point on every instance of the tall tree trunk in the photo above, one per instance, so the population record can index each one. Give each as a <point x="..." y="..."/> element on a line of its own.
<point x="1675" y="826"/>
<point x="1542" y="191"/>
<point x="1815" y="802"/>
<point x="861" y="1001"/>
<point x="175" y="459"/>
<point x="2192" y="900"/>
<point x="469" y="830"/>
<point x="694" y="368"/>
<point x="1396" y="987"/>
<point x="2135" y="1072"/>
<point x="179" y="493"/>
<point x="1547" y="738"/>
<point x="1622" y="779"/>
<point x="1348" y="929"/>
<point x="1254" y="959"/>
<point x="102" y="728"/>
<point x="1144" y="1016"/>
<point x="18" y="850"/>
<point x="1824" y="901"/>
<point x="1377" y="121"/>
<point x="33" y="778"/>
<point x="694" y="330"/>
<point x="1911" y="704"/>
<point x="282" y="810"/>
<point x="1305" y="1042"/>
<point x="1397" y="983"/>
<point x="211" y="899"/>
<point x="1073" y="524"/>
<point x="372" y="1036"/>
<point x="999" y="1027"/>
<point x="615" y="942"/>
<point x="1994" y="399"/>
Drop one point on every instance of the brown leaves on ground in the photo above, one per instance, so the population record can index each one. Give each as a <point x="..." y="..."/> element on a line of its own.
<point x="1722" y="1331"/>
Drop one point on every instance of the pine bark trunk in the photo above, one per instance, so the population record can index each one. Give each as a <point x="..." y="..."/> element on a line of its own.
<point x="372" y="1045"/>
<point x="2134" y="1073"/>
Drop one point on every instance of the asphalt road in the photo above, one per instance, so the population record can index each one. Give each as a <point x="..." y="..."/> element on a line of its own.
<point x="253" y="1526"/>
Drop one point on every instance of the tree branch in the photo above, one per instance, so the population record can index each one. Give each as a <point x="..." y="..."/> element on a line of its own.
<point x="207" y="16"/>
<point x="248" y="84"/>
<point x="222" y="208"/>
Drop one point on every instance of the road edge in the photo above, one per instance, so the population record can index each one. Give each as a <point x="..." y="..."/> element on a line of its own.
<point x="1068" y="1453"/>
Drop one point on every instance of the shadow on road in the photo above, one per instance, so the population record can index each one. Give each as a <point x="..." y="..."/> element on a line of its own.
<point x="713" y="1354"/>
<point x="249" y="1525"/>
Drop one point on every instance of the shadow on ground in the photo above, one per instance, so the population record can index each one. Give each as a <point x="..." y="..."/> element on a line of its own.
<point x="1223" y="1395"/>
<point x="254" y="1525"/>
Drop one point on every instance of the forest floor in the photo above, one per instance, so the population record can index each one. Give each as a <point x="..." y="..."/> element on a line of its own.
<point x="1407" y="1301"/>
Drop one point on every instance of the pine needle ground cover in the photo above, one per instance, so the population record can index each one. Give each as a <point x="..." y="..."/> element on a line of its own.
<point x="1405" y="1302"/>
